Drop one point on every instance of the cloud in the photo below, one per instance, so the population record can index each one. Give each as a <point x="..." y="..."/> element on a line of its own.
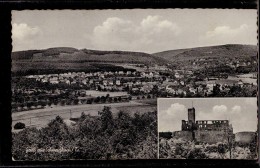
<point x="119" y="34"/>
<point x="23" y="31"/>
<point x="219" y="109"/>
<point x="24" y="36"/>
<point x="226" y="30"/>
<point x="176" y="109"/>
<point x="170" y="119"/>
<point x="155" y="24"/>
<point x="243" y="120"/>
<point x="236" y="110"/>
<point x="237" y="117"/>
<point x="218" y="112"/>
<point x="243" y="34"/>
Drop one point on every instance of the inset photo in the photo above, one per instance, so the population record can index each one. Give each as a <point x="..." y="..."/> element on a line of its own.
<point x="207" y="128"/>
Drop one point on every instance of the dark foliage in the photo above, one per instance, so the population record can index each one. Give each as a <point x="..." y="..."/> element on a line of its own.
<point x="106" y="136"/>
<point x="19" y="125"/>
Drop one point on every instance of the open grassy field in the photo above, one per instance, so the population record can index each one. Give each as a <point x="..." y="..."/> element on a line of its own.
<point x="95" y="93"/>
<point x="41" y="117"/>
<point x="232" y="80"/>
<point x="139" y="109"/>
<point x="148" y="101"/>
<point x="246" y="78"/>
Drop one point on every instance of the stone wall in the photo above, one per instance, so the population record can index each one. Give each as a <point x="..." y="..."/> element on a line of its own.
<point x="245" y="137"/>
<point x="185" y="135"/>
<point x="211" y="137"/>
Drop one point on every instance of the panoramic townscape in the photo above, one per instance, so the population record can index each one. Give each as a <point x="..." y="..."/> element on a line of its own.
<point x="116" y="82"/>
<point x="86" y="83"/>
<point x="40" y="93"/>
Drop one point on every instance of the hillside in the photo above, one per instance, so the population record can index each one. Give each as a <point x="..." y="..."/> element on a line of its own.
<point x="70" y="59"/>
<point x="227" y="51"/>
<point x="64" y="54"/>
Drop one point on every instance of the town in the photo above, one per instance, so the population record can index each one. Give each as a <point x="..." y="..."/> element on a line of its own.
<point x="139" y="81"/>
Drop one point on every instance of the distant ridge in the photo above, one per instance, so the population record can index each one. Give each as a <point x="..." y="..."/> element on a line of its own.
<point x="67" y="54"/>
<point x="228" y="50"/>
<point x="67" y="58"/>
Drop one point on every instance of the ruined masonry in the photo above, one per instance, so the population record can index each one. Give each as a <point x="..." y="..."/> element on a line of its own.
<point x="208" y="131"/>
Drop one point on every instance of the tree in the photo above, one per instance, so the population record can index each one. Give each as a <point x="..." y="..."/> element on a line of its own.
<point x="63" y="102"/>
<point x="103" y="99"/>
<point x="106" y="119"/>
<point x="49" y="103"/>
<point x="97" y="99"/>
<point x="155" y="89"/>
<point x="42" y="103"/>
<point x="56" y="133"/>
<point x="110" y="99"/>
<point x="82" y="116"/>
<point x="22" y="105"/>
<point x="130" y="98"/>
<point x="222" y="149"/>
<point x="115" y="99"/>
<point x="76" y="101"/>
<point x="216" y="90"/>
<point x="29" y="105"/>
<point x="89" y="101"/>
<point x="19" y="125"/>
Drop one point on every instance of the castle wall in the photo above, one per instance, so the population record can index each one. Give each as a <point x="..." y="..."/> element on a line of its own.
<point x="185" y="135"/>
<point x="211" y="136"/>
<point x="245" y="137"/>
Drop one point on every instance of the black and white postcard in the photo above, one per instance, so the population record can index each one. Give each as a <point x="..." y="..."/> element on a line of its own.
<point x="86" y="83"/>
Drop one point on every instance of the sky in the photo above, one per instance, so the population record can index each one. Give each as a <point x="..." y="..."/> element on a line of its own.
<point x="144" y="30"/>
<point x="241" y="112"/>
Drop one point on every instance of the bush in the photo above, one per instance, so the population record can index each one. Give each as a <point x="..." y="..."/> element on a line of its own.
<point x="19" y="125"/>
<point x="92" y="137"/>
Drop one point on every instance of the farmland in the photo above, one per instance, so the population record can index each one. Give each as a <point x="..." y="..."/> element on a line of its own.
<point x="98" y="93"/>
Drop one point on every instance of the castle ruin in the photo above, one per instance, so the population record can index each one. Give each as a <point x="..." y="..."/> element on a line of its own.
<point x="209" y="131"/>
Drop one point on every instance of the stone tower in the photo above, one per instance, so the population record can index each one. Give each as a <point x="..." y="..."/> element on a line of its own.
<point x="191" y="115"/>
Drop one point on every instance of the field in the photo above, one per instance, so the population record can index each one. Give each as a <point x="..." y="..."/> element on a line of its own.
<point x="140" y="109"/>
<point x="233" y="80"/>
<point x="132" y="66"/>
<point x="40" y="117"/>
<point x="107" y="136"/>
<point x="94" y="93"/>
<point x="248" y="78"/>
<point x="152" y="102"/>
